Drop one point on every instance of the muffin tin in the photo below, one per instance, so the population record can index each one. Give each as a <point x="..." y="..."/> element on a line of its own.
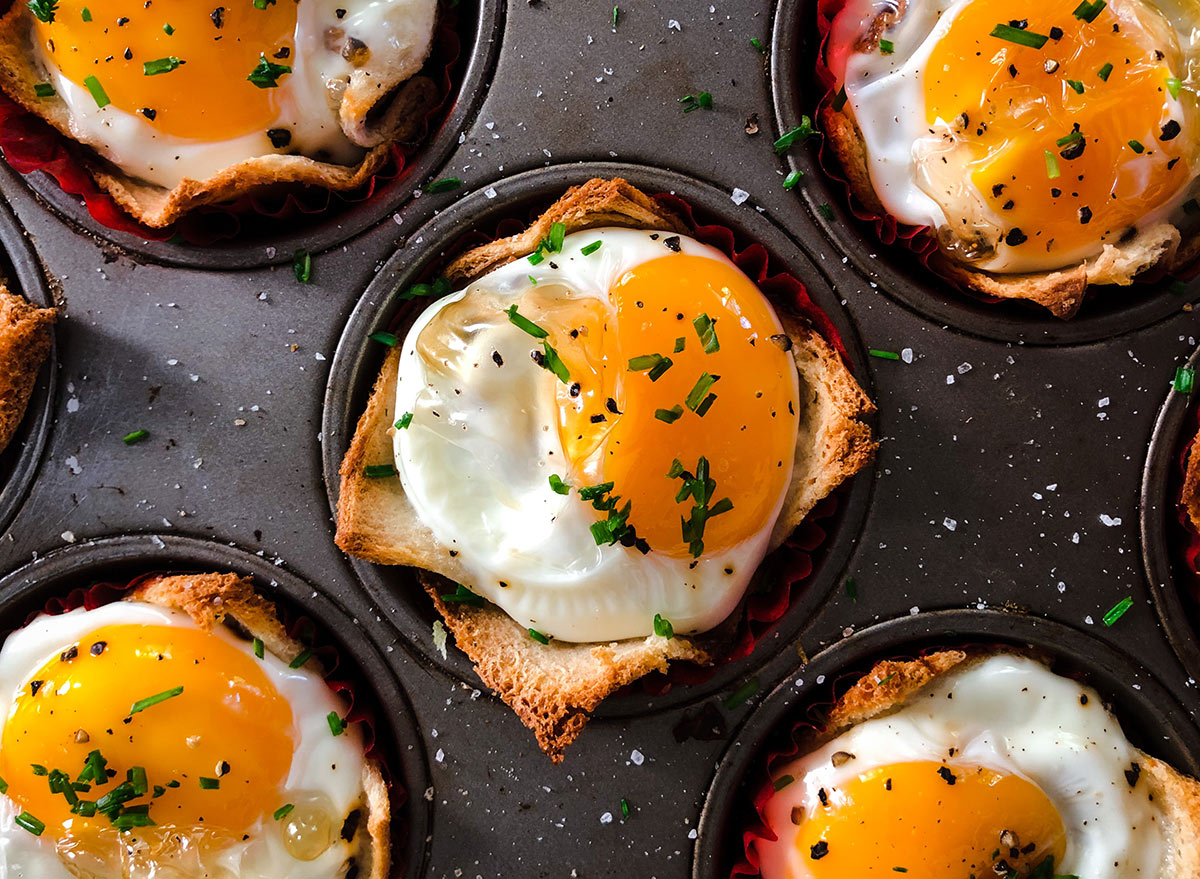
<point x="1004" y="504"/>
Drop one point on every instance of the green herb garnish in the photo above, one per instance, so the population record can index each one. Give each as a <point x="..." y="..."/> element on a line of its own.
<point x="663" y="628"/>
<point x="557" y="485"/>
<point x="283" y="811"/>
<point x="99" y="95"/>
<point x="446" y="184"/>
<point x="696" y="102"/>
<point x="706" y="329"/>
<point x="151" y="701"/>
<point x="1185" y="380"/>
<point x="337" y="725"/>
<point x="790" y="181"/>
<point x="160" y="65"/>
<point x="801" y="132"/>
<point x="43" y="10"/>
<point x="883" y="355"/>
<point x="136" y="437"/>
<point x="1088" y="11"/>
<point x="207" y="783"/>
<point x="1019" y="36"/>
<point x="670" y="416"/>
<point x="1118" y="610"/>
<point x="25" y="820"/>
<point x="404" y="421"/>
<point x="538" y="636"/>
<point x="1105" y="72"/>
<point x="589" y="249"/>
<point x="462" y="595"/>
<point x="741" y="694"/>
<point x="523" y="323"/>
<point x="266" y="74"/>
<point x="379" y="471"/>
<point x="44" y="90"/>
<point x="696" y="395"/>
<point x="298" y="662"/>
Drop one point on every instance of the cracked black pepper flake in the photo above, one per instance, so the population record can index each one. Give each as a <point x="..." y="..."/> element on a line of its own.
<point x="218" y="17"/>
<point x="497" y="358"/>
<point x="1085" y="215"/>
<point x="1015" y="238"/>
<point x="279" y="137"/>
<point x="819" y="850"/>
<point x="1056" y="33"/>
<point x="672" y="243"/>
<point x="99" y="647"/>
<point x="596" y="419"/>
<point x="34" y="686"/>
<point x="1133" y="773"/>
<point x="947" y="775"/>
<point x="149" y="113"/>
<point x="823" y="797"/>
<point x="1170" y="131"/>
<point x="70" y="653"/>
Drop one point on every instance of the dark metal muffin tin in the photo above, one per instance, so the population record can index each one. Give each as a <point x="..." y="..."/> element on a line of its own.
<point x="1015" y="487"/>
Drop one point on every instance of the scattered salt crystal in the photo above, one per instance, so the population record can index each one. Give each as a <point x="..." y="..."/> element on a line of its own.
<point x="1103" y="402"/>
<point x="906" y="354"/>
<point x="490" y="192"/>
<point x="319" y="356"/>
<point x="1075" y="537"/>
<point x="949" y="524"/>
<point x="1088" y="619"/>
<point x="73" y="465"/>
<point x="637" y="757"/>
<point x="674" y="25"/>
<point x="606" y="818"/>
<point x="949" y="379"/>
<point x="739" y="196"/>
<point x="1110" y="521"/>
<point x="913" y="611"/>
<point x="68" y="536"/>
<point x="439" y="637"/>
<point x="1062" y="587"/>
<point x="73" y="405"/>
<point x="964" y="368"/>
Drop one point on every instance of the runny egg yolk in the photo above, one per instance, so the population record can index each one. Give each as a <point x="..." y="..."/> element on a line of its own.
<point x="229" y="724"/>
<point x="929" y="821"/>
<point x="207" y="97"/>
<point x="612" y="423"/>
<point x="1049" y="130"/>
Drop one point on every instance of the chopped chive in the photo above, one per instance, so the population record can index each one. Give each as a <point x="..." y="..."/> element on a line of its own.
<point x="1137" y="146"/>
<point x="446" y="184"/>
<point x="388" y="339"/>
<point x="536" y="257"/>
<point x="151" y="701"/>
<point x="209" y="783"/>
<point x="792" y="179"/>
<point x="1118" y="610"/>
<point x="380" y="471"/>
<point x="707" y="331"/>
<point x="137" y="777"/>
<point x="337" y="725"/>
<point x="552" y="362"/>
<point x="85" y="14"/>
<point x="404" y="421"/>
<point x="39" y="769"/>
<point x="172" y="783"/>
<point x="3" y="786"/>
<point x="1185" y="380"/>
<point x="696" y="102"/>
<point x="266" y="75"/>
<point x="758" y="44"/>
<point x="1076" y="85"/>
<point x="589" y="249"/>
<point x="99" y="95"/>
<point x="624" y="808"/>
<point x="741" y="694"/>
<point x="663" y="628"/>
<point x="1019" y="36"/>
<point x="283" y="811"/>
<point x="1052" y="169"/>
<point x="887" y="47"/>
<point x="168" y="30"/>
<point x="558" y="486"/>
<point x="899" y="869"/>
<point x="883" y="355"/>
<point x="670" y="416"/>
<point x="523" y="323"/>
<point x="782" y="781"/>
<point x="825" y="211"/>
<point x="440" y="287"/>
<point x="852" y="588"/>
<point x="1105" y="72"/>
<point x="1088" y="11"/>
<point x="554" y="241"/>
<point x="1073" y="137"/>
<point x="305" y="656"/>
<point x="136" y="437"/>
<point x="160" y="65"/>
<point x="538" y="636"/>
<point x="259" y="648"/>
<point x="1175" y="87"/>
<point x="800" y="133"/>
<point x="462" y="595"/>
<point x="302" y="266"/>
<point x="703" y="408"/>
<point x="680" y="344"/>
<point x="43" y="10"/>
<point x="28" y="822"/>
<point x="616" y="15"/>
<point x="44" y="90"/>
<point x="696" y="395"/>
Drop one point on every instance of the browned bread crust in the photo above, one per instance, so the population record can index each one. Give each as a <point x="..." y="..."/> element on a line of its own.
<point x="1191" y="484"/>
<point x="25" y="336"/>
<point x="553" y="688"/>
<point x="892" y="684"/>
<point x="228" y="599"/>
<point x="374" y="114"/>
<point x="1061" y="292"/>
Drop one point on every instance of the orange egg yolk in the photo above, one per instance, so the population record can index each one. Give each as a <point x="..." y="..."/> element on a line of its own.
<point x="229" y="724"/>
<point x="208" y="96"/>
<point x="908" y="818"/>
<point x="1049" y="129"/>
<point x="619" y="425"/>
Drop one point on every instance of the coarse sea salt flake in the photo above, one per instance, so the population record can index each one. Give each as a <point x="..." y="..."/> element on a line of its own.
<point x="739" y="196"/>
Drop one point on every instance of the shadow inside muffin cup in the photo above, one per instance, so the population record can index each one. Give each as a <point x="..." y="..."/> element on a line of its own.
<point x="268" y="228"/>
<point x="1150" y="716"/>
<point x="512" y="204"/>
<point x="1169" y="539"/>
<point x="21" y="272"/>
<point x="895" y="269"/>
<point x="52" y="578"/>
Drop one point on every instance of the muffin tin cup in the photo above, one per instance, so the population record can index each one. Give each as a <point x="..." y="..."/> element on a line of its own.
<point x="357" y="362"/>
<point x="1164" y="538"/>
<point x="1150" y="716"/>
<point x="480" y="27"/>
<point x="901" y="273"/>
<point x="20" y="267"/>
<point x="398" y="742"/>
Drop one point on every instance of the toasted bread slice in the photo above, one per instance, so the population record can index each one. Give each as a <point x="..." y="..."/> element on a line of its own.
<point x="228" y="599"/>
<point x="25" y="335"/>
<point x="1191" y="484"/>
<point x="374" y="112"/>
<point x="1157" y="247"/>
<point x="554" y="687"/>
<point x="891" y="685"/>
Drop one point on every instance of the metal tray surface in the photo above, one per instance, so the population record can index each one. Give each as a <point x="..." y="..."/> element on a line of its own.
<point x="1009" y="474"/>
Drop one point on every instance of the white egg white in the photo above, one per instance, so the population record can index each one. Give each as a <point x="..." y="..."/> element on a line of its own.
<point x="398" y="33"/>
<point x="476" y="460"/>
<point x="1012" y="715"/>
<point x="886" y="94"/>
<point x="322" y="764"/>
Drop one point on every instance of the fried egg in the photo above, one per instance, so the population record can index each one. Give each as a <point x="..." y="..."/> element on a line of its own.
<point x="992" y="769"/>
<point x="138" y="744"/>
<point x="602" y="433"/>
<point x="1029" y="135"/>
<point x="169" y="92"/>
